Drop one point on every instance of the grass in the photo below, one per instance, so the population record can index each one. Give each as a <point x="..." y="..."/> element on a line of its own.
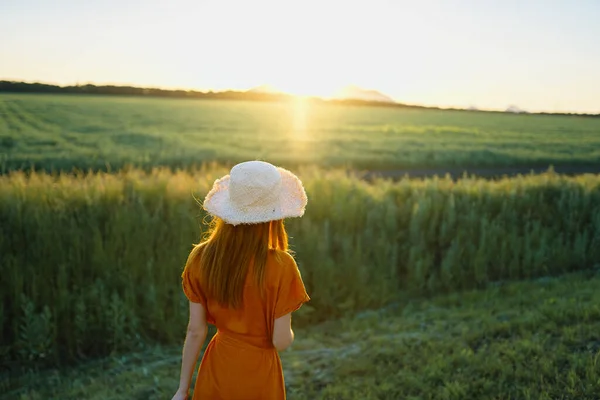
<point x="537" y="339"/>
<point x="60" y="132"/>
<point x="90" y="297"/>
<point x="91" y="263"/>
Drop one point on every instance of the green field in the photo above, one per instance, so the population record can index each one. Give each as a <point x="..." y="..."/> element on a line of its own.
<point x="531" y="340"/>
<point x="91" y="263"/>
<point x="413" y="282"/>
<point x="66" y="131"/>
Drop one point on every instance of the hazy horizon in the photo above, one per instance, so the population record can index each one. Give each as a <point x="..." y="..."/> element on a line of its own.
<point x="537" y="55"/>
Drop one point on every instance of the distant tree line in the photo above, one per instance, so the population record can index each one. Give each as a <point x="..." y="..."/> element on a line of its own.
<point x="24" y="87"/>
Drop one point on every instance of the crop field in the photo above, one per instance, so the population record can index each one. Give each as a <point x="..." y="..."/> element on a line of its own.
<point x="421" y="288"/>
<point x="60" y="132"/>
<point x="91" y="262"/>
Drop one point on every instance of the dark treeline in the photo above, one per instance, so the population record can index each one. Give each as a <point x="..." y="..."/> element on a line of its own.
<point x="24" y="87"/>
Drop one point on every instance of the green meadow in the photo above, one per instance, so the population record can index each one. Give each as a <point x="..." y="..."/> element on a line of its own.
<point x="536" y="339"/>
<point x="60" y="132"/>
<point x="421" y="288"/>
<point x="91" y="271"/>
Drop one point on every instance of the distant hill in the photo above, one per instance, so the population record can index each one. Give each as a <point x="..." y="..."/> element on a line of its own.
<point x="264" y="89"/>
<point x="515" y="110"/>
<point x="356" y="93"/>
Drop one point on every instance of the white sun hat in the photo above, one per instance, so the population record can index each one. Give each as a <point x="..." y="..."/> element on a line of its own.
<point x="255" y="192"/>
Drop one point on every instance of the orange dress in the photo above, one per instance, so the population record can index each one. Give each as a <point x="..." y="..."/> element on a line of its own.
<point x="240" y="362"/>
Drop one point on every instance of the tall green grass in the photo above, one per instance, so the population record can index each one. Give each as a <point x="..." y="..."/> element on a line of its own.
<point x="91" y="263"/>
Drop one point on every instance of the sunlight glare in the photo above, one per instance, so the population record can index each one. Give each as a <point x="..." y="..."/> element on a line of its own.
<point x="299" y="124"/>
<point x="309" y="87"/>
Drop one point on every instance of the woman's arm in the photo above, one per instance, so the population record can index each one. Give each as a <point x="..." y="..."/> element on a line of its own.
<point x="194" y="339"/>
<point x="283" y="335"/>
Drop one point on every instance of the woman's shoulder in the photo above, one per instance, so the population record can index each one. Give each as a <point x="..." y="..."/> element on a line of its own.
<point x="282" y="257"/>
<point x="192" y="265"/>
<point x="280" y="263"/>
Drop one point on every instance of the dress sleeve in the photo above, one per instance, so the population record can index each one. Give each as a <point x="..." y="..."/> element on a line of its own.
<point x="291" y="292"/>
<point x="191" y="285"/>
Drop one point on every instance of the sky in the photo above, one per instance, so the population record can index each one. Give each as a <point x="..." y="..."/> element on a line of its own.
<point x="537" y="55"/>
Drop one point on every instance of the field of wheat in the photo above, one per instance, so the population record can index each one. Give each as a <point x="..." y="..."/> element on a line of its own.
<point x="91" y="263"/>
<point x="93" y="242"/>
<point x="62" y="132"/>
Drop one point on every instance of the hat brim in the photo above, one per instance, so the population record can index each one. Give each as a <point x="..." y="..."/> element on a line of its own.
<point x="292" y="202"/>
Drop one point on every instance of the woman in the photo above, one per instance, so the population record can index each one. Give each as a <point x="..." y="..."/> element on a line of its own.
<point x="243" y="280"/>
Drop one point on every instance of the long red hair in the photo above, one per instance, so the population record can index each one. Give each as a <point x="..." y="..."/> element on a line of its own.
<point x="225" y="256"/>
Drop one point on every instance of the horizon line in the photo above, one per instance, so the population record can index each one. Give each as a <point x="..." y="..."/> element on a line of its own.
<point x="515" y="109"/>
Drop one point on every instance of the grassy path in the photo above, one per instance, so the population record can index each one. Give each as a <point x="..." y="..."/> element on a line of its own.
<point x="527" y="340"/>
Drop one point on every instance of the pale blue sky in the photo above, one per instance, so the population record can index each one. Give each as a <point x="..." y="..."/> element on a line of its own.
<point x="539" y="55"/>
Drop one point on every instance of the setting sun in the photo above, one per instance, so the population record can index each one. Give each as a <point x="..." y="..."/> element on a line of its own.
<point x="308" y="88"/>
